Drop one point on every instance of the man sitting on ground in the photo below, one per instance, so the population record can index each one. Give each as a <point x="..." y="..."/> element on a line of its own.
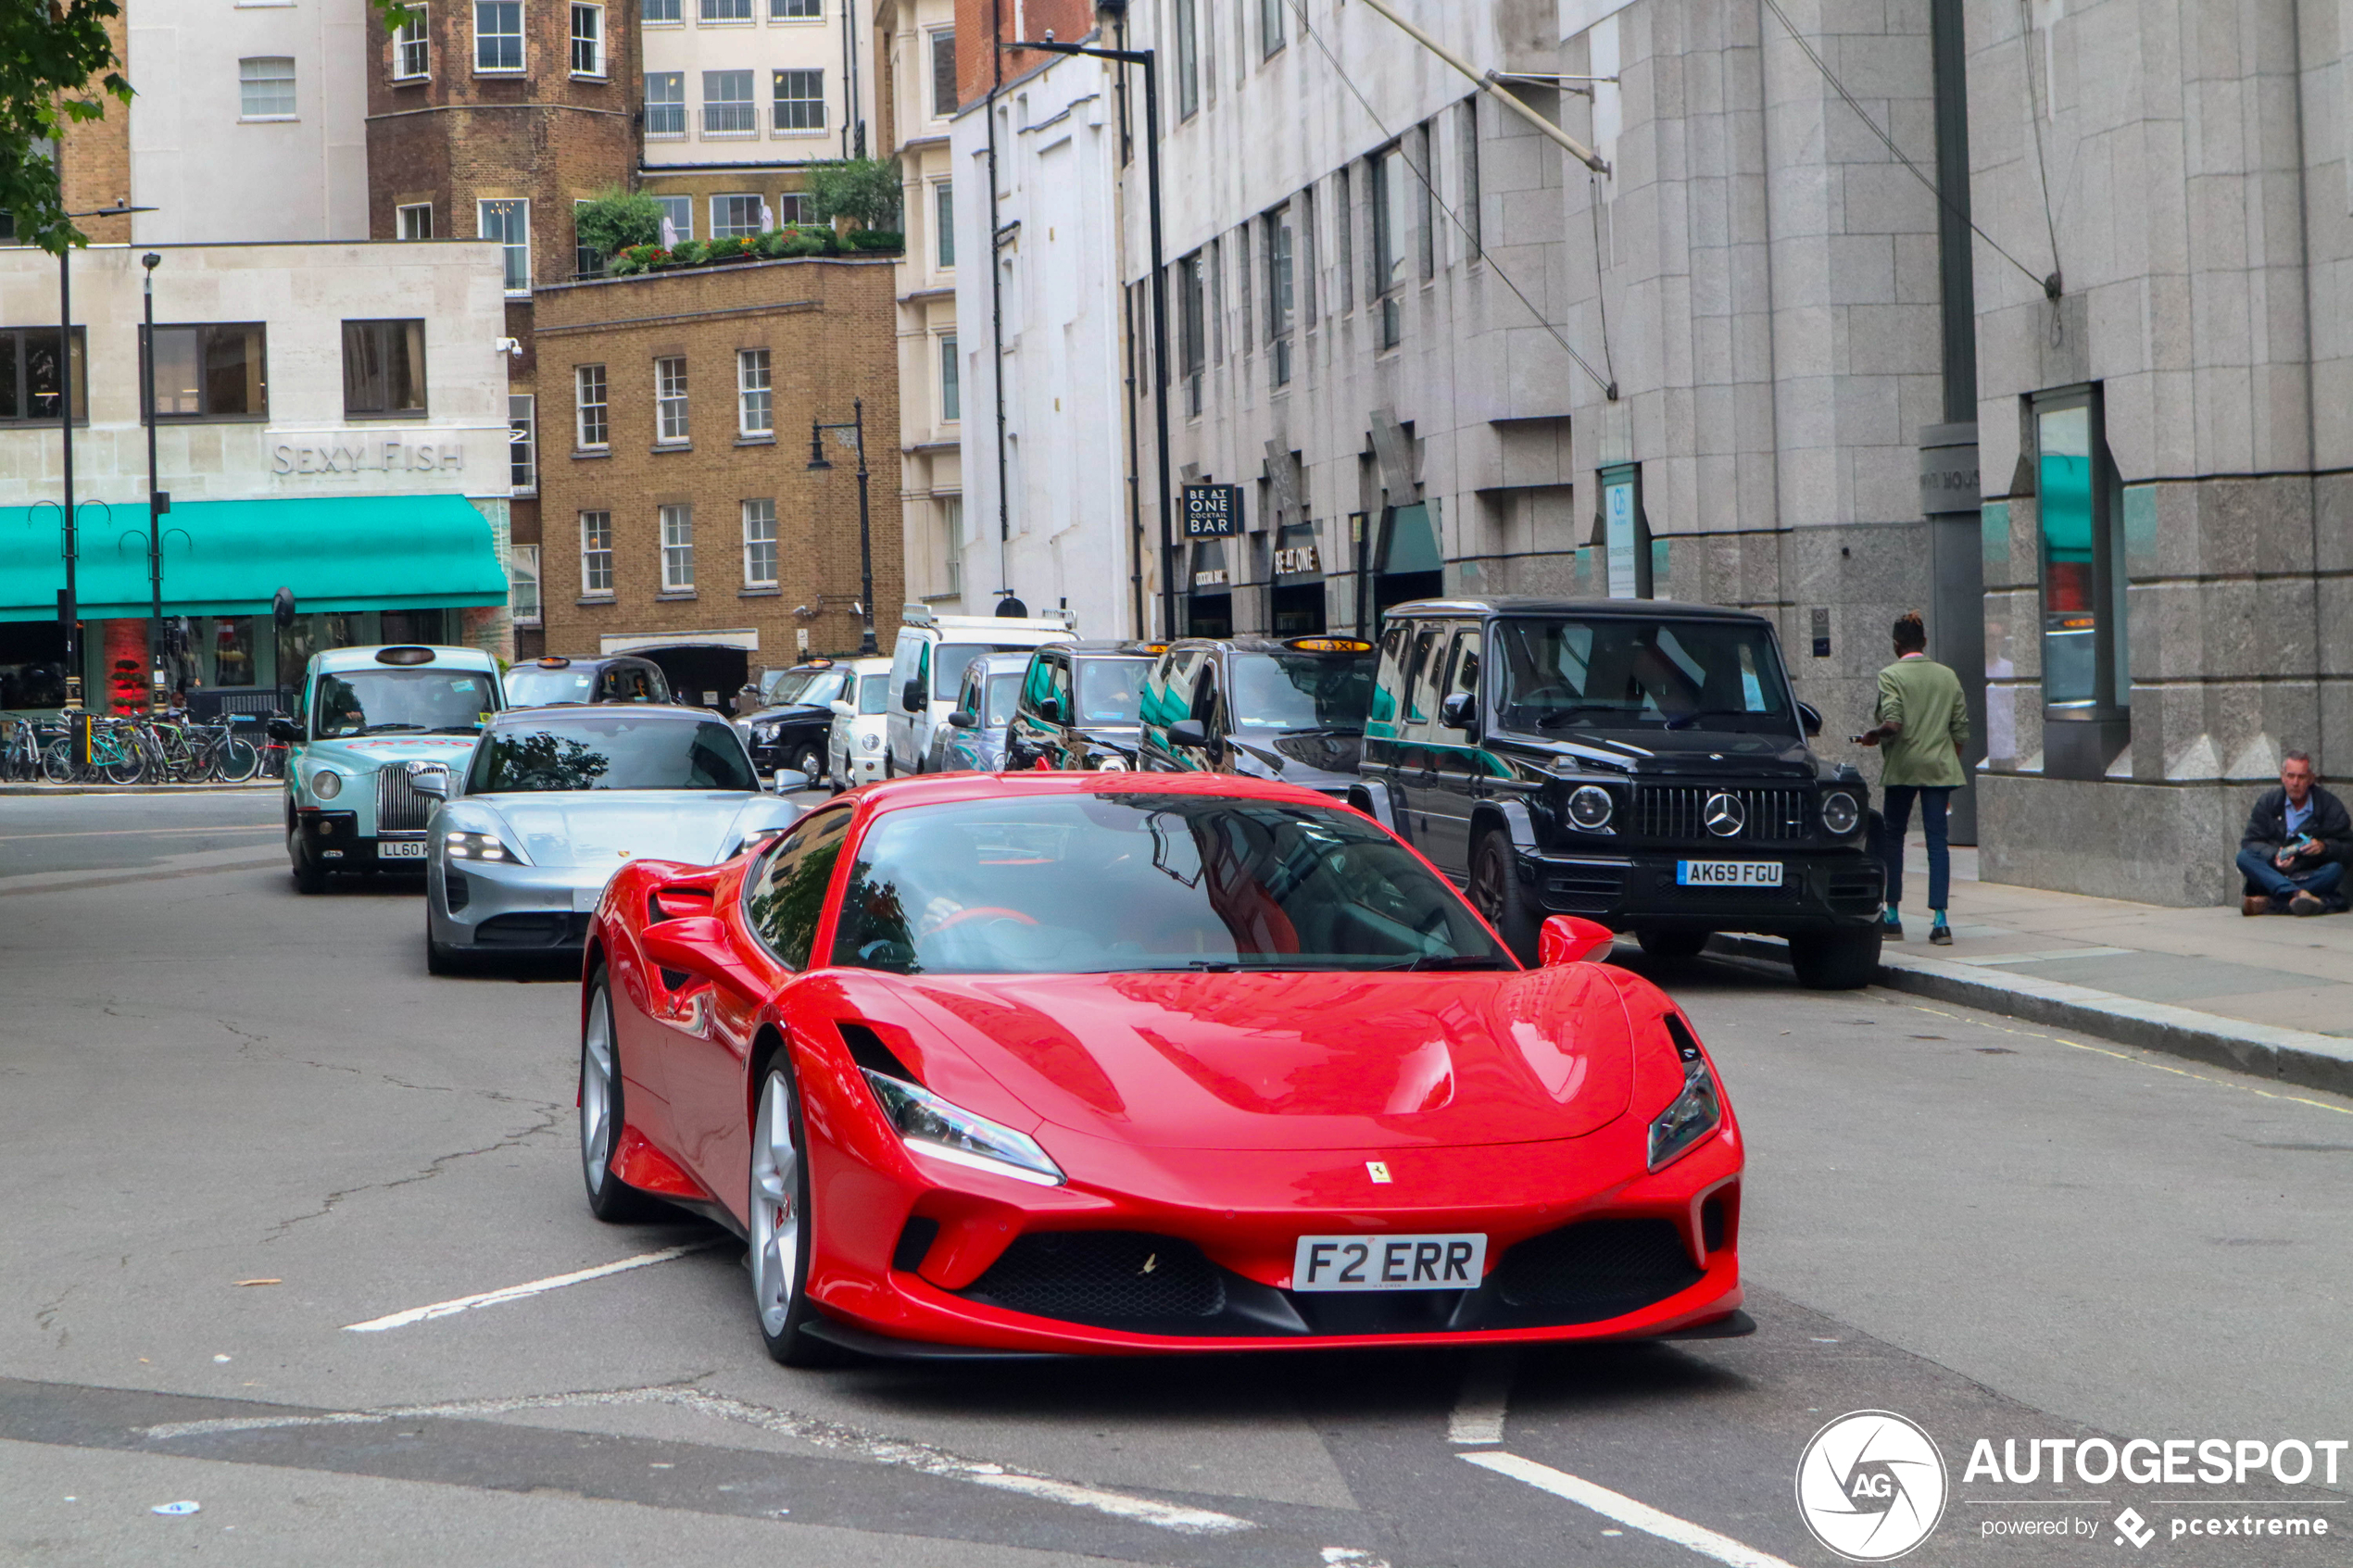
<point x="2298" y="839"/>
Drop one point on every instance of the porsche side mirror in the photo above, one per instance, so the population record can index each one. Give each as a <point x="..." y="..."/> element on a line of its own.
<point x="1811" y="716"/>
<point x="1187" y="732"/>
<point x="963" y="719"/>
<point x="285" y="730"/>
<point x="696" y="946"/>
<point x="429" y="778"/>
<point x="1458" y="712"/>
<point x="910" y="696"/>
<point x="790" y="781"/>
<point x="1571" y="939"/>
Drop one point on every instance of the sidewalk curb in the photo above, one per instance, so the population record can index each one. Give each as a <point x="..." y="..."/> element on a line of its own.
<point x="271" y="787"/>
<point x="2290" y="1055"/>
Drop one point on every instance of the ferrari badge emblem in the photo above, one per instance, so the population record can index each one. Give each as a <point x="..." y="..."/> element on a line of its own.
<point x="1379" y="1170"/>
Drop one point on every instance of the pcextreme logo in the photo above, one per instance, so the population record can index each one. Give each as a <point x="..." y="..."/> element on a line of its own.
<point x="1872" y="1485"/>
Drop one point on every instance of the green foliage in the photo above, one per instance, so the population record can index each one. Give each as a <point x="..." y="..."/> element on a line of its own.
<point x="888" y="240"/>
<point x="56" y="69"/>
<point x="691" y="252"/>
<point x="732" y="249"/>
<point x="863" y="189"/>
<point x="617" y="219"/>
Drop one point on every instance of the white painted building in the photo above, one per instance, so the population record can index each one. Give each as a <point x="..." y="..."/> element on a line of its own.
<point x="920" y="67"/>
<point x="249" y="121"/>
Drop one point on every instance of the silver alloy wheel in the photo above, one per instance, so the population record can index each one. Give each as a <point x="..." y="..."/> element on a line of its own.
<point x="776" y="1206"/>
<point x="596" y="1130"/>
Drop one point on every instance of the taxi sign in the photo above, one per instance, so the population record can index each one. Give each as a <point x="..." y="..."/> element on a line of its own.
<point x="1329" y="645"/>
<point x="404" y="656"/>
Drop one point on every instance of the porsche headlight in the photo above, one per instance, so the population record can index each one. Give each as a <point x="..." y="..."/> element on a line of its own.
<point x="930" y="1125"/>
<point x="466" y="845"/>
<point x="870" y="742"/>
<point x="1841" y="815"/>
<point x="1696" y="1112"/>
<point x="326" y="783"/>
<point x="1590" y="806"/>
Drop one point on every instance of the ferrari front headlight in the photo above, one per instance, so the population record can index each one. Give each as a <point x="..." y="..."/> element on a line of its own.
<point x="1696" y="1112"/>
<point x="928" y="1124"/>
<point x="468" y="846"/>
<point x="326" y="783"/>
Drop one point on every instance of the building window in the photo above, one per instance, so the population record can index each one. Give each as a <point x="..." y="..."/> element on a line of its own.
<point x="944" y="210"/>
<point x="1387" y="195"/>
<point x="1279" y="285"/>
<point x="659" y="11"/>
<point x="411" y="49"/>
<point x="591" y="432"/>
<point x="951" y="544"/>
<point x="665" y="103"/>
<point x="2086" y="670"/>
<point x="498" y="34"/>
<point x="523" y="584"/>
<point x="587" y="261"/>
<point x="725" y="10"/>
<point x="29" y="377"/>
<point x="755" y="415"/>
<point x="383" y="368"/>
<point x="1466" y="207"/>
<point x="760" y="544"/>
<point x="680" y="212"/>
<point x="1344" y="232"/>
<point x="1245" y="289"/>
<point x="415" y="221"/>
<point x="509" y="222"/>
<point x="800" y="100"/>
<point x="523" y="442"/>
<point x="596" y="553"/>
<point x="1270" y="27"/>
<point x="727" y="109"/>
<point x="670" y="399"/>
<point x="211" y="372"/>
<point x="796" y="10"/>
<point x="1187" y="59"/>
<point x="943" y="73"/>
<point x="1193" y="336"/>
<point x="793" y="207"/>
<point x="952" y="389"/>
<point x="735" y="217"/>
<point x="266" y="88"/>
<point x="587" y="39"/>
<point x="677" y="549"/>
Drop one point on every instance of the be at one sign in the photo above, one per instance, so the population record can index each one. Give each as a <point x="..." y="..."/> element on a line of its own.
<point x="1212" y="511"/>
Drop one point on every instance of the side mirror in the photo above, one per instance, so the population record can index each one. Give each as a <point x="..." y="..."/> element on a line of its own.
<point x="911" y="697"/>
<point x="1187" y="732"/>
<point x="790" y="781"/>
<point x="1051" y="709"/>
<point x="429" y="778"/>
<point x="697" y="945"/>
<point x="839" y="706"/>
<point x="963" y="719"/>
<point x="1459" y="711"/>
<point x="285" y="731"/>
<point x="1811" y="716"/>
<point x="1571" y="939"/>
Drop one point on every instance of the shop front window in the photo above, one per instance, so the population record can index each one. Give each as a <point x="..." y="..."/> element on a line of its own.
<point x="233" y="651"/>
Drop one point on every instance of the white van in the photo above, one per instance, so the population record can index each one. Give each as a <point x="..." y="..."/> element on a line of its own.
<point x="929" y="661"/>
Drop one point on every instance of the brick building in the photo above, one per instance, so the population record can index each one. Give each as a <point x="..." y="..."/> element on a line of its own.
<point x="673" y="475"/>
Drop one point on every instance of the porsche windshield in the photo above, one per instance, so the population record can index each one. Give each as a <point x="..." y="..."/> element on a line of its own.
<point x="1556" y="676"/>
<point x="605" y="750"/>
<point x="377" y="702"/>
<point x="1301" y="691"/>
<point x="1130" y="881"/>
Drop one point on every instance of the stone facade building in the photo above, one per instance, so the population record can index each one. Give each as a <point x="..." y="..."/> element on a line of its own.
<point x="677" y="501"/>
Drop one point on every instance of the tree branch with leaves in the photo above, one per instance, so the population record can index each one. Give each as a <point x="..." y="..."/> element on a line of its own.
<point x="57" y="68"/>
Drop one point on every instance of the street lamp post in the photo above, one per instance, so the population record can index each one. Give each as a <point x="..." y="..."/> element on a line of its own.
<point x="159" y="502"/>
<point x="817" y="462"/>
<point x="1145" y="58"/>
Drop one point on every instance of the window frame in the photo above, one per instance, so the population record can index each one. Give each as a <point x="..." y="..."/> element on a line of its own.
<point x="1188" y="31"/>
<point x="204" y="331"/>
<point x="706" y="13"/>
<point x="951" y="381"/>
<point x="520" y="35"/>
<point x="735" y="231"/>
<point x="779" y="102"/>
<point x="755" y="394"/>
<point x="674" y="14"/>
<point x="748" y="103"/>
<point x="401" y="224"/>
<point x="415" y="32"/>
<point x="582" y="406"/>
<point x="382" y="327"/>
<point x="77" y="378"/>
<point x="766" y="544"/>
<point x="1273" y="37"/>
<point x="675" y="522"/>
<point x="520" y="206"/>
<point x="674" y="208"/>
<point x="522" y="566"/>
<point x="599" y="59"/>
<point x="595" y="554"/>
<point x="670" y="372"/>
<point x="523" y="442"/>
<point x="943" y="217"/>
<point x="944" y="107"/>
<point x="796" y="10"/>
<point x="648" y="104"/>
<point x="246" y="114"/>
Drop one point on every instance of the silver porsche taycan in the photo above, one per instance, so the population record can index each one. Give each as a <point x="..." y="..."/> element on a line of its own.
<point x="553" y="801"/>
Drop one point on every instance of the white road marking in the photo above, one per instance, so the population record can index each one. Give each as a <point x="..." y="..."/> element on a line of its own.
<point x="518" y="1292"/>
<point x="1487" y="1390"/>
<point x="1626" y="1511"/>
<point x="832" y="1437"/>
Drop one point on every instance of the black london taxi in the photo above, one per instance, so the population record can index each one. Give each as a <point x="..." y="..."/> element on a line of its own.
<point x="1080" y="707"/>
<point x="1291" y="708"/>
<point x="1641" y="763"/>
<point x="792" y="730"/>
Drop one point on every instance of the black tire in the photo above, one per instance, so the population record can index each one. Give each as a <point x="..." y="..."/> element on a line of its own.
<point x="1497" y="893"/>
<point x="308" y="877"/>
<point x="809" y="762"/>
<point x="1837" y="960"/>
<point x="782" y="1323"/>
<point x="237" y="761"/>
<point x="601" y="1118"/>
<point x="1673" y="944"/>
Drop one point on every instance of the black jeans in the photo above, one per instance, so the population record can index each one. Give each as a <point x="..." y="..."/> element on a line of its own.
<point x="1895" y="804"/>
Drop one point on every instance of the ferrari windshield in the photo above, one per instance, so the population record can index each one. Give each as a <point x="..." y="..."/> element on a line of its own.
<point x="1301" y="691"/>
<point x="1128" y="881"/>
<point x="1615" y="674"/>
<point x="604" y="749"/>
<point x="375" y="702"/>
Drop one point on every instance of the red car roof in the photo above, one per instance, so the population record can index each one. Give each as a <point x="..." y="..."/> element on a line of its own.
<point x="940" y="788"/>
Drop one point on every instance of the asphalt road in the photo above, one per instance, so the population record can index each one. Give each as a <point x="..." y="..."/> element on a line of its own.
<point x="236" y="1120"/>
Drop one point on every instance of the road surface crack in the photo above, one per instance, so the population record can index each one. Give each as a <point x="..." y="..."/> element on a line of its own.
<point x="550" y="1117"/>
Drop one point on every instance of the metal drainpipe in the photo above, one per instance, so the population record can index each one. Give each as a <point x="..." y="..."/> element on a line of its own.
<point x="1127" y="299"/>
<point x="997" y="302"/>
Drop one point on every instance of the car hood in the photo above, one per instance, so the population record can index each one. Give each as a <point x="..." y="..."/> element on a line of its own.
<point x="608" y="828"/>
<point x="1311" y="761"/>
<point x="793" y="713"/>
<point x="1300" y="1061"/>
<point x="367" y="753"/>
<point x="1692" y="754"/>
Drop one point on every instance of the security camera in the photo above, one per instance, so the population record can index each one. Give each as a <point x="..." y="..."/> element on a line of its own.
<point x="512" y="345"/>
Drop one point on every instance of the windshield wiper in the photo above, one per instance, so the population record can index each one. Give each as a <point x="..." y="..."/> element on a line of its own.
<point x="1438" y="960"/>
<point x="386" y="729"/>
<point x="1560" y="716"/>
<point x="1685" y="721"/>
<point x="1323" y="730"/>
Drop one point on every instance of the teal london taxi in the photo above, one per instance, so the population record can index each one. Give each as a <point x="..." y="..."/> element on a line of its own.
<point x="370" y="720"/>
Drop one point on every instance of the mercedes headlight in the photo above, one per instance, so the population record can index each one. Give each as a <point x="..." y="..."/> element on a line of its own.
<point x="326" y="783"/>
<point x="1590" y="806"/>
<point x="1841" y="815"/>
<point x="1696" y="1112"/>
<point x="467" y="846"/>
<point x="870" y="742"/>
<point x="928" y="1124"/>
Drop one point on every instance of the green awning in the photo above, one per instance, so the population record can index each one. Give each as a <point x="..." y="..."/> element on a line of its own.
<point x="228" y="558"/>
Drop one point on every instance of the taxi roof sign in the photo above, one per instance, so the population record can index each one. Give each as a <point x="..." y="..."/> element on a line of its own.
<point x="1329" y="645"/>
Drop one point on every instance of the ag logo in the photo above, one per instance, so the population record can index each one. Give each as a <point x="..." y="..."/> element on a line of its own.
<point x="1724" y="814"/>
<point x="1871" y="1486"/>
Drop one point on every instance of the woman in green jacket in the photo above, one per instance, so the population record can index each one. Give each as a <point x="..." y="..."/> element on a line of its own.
<point x="1921" y="730"/>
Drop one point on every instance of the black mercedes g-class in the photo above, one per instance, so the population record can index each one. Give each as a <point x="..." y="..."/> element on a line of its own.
<point x="1638" y="762"/>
